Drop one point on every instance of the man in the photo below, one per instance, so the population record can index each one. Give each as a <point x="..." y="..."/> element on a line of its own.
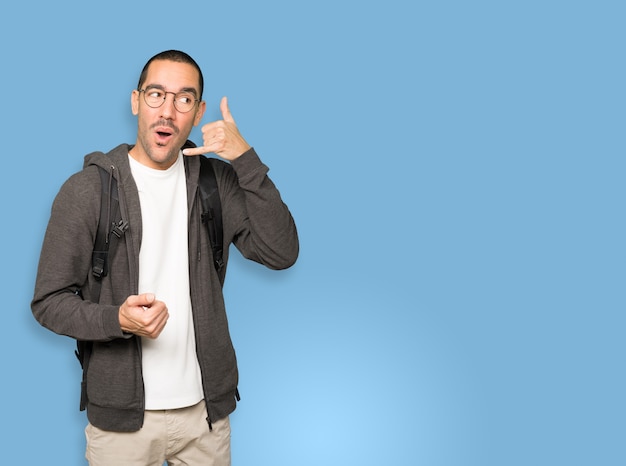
<point x="161" y="378"/>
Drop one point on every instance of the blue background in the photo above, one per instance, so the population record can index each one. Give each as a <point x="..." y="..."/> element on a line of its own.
<point x="456" y="171"/>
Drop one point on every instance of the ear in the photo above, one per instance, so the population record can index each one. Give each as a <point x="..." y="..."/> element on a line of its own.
<point x="199" y="113"/>
<point x="134" y="102"/>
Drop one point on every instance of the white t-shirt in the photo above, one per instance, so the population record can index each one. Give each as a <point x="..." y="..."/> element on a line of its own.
<point x="171" y="372"/>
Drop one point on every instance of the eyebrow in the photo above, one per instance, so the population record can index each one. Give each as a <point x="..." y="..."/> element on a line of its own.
<point x="184" y="89"/>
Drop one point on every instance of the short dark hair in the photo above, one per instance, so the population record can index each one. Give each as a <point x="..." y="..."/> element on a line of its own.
<point x="172" y="55"/>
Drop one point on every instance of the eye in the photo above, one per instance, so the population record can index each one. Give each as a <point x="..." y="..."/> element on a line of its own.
<point x="184" y="98"/>
<point x="155" y="94"/>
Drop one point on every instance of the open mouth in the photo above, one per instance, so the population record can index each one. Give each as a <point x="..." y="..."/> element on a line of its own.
<point x="163" y="135"/>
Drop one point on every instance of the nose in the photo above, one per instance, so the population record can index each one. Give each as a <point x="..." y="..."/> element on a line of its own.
<point x="168" y="109"/>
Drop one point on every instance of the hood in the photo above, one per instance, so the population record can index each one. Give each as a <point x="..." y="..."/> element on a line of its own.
<point x="115" y="157"/>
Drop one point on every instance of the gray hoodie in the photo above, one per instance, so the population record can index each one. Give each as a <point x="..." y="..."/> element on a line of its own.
<point x="255" y="220"/>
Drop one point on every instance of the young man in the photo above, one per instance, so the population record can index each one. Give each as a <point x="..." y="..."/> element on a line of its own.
<point x="161" y="376"/>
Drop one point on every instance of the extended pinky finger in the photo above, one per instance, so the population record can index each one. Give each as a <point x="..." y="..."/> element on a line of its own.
<point x="195" y="151"/>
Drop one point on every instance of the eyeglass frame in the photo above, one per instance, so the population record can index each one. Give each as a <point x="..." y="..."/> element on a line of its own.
<point x="159" y="88"/>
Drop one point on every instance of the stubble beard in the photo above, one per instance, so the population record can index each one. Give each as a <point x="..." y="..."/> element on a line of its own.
<point x="157" y="157"/>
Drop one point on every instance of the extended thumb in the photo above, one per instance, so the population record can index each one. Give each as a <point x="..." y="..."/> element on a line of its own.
<point x="226" y="115"/>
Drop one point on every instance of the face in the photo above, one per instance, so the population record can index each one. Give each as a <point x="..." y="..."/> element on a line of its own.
<point x="162" y="131"/>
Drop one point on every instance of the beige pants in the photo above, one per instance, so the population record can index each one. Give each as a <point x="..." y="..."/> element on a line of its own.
<point x="176" y="436"/>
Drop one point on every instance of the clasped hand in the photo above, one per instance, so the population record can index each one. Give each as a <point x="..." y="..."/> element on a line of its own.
<point x="143" y="315"/>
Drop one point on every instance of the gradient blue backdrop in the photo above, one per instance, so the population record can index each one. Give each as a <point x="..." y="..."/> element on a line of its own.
<point x="456" y="171"/>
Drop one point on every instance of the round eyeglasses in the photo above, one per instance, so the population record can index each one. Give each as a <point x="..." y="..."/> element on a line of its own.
<point x="183" y="101"/>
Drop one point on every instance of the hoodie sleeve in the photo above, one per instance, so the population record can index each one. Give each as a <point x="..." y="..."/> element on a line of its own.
<point x="264" y="229"/>
<point x="65" y="263"/>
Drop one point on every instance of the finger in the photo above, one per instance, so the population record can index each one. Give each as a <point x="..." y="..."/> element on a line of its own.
<point x="148" y="297"/>
<point x="226" y="115"/>
<point x="203" y="150"/>
<point x="144" y="299"/>
<point x="156" y="326"/>
<point x="195" y="151"/>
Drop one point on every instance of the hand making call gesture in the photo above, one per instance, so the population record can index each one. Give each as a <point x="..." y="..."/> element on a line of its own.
<point x="221" y="137"/>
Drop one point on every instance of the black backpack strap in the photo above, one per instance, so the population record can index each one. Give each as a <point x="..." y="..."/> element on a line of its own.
<point x="83" y="353"/>
<point x="99" y="257"/>
<point x="212" y="211"/>
<point x="110" y="226"/>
